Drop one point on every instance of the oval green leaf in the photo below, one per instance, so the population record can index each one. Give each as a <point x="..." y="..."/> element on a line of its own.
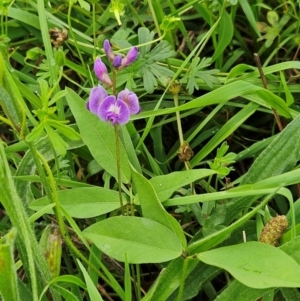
<point x="83" y="202"/>
<point x="140" y="239"/>
<point x="255" y="264"/>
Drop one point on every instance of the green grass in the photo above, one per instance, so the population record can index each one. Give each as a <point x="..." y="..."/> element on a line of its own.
<point x="203" y="170"/>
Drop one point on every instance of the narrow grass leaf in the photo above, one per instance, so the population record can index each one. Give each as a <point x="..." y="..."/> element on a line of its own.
<point x="166" y="185"/>
<point x="90" y="287"/>
<point x="225" y="34"/>
<point x="249" y="14"/>
<point x="224" y="132"/>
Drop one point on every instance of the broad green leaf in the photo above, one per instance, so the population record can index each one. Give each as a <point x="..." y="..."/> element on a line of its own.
<point x="166" y="185"/>
<point x="255" y="264"/>
<point x="90" y="287"/>
<point x="83" y="202"/>
<point x="140" y="239"/>
<point x="239" y="292"/>
<point x="8" y="276"/>
<point x="99" y="137"/>
<point x="152" y="207"/>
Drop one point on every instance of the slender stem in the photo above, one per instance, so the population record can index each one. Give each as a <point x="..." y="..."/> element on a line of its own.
<point x="94" y="27"/>
<point x="183" y="277"/>
<point x="119" y="166"/>
<point x="73" y="36"/>
<point x="179" y="126"/>
<point x="114" y="80"/>
<point x="178" y="119"/>
<point x="150" y="4"/>
<point x="138" y="277"/>
<point x="135" y="13"/>
<point x="264" y="82"/>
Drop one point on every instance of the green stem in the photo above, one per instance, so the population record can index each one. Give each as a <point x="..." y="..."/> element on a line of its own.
<point x="73" y="36"/>
<point x="179" y="126"/>
<point x="178" y="119"/>
<point x="119" y="167"/>
<point x="94" y="27"/>
<point x="133" y="10"/>
<point x="154" y="17"/>
<point x="183" y="276"/>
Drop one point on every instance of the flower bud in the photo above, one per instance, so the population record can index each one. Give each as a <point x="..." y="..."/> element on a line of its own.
<point x="107" y="48"/>
<point x="117" y="61"/>
<point x="101" y="72"/>
<point x="130" y="57"/>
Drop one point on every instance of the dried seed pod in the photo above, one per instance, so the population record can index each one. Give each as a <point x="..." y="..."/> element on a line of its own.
<point x="273" y="230"/>
<point x="185" y="153"/>
<point x="58" y="36"/>
<point x="51" y="245"/>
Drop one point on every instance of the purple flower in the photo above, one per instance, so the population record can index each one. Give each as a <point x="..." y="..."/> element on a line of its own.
<point x="101" y="72"/>
<point x="96" y="97"/>
<point x="117" y="61"/>
<point x="107" y="48"/>
<point x="130" y="57"/>
<point x="131" y="100"/>
<point x="113" y="110"/>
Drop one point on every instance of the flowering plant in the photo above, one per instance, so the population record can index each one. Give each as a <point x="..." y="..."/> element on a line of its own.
<point x="113" y="108"/>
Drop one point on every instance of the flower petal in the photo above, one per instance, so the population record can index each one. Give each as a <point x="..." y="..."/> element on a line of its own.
<point x="96" y="97"/>
<point x="124" y="113"/>
<point x="131" y="100"/>
<point x="114" y="111"/>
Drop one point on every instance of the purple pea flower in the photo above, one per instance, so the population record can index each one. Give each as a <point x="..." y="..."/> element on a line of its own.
<point x="131" y="100"/>
<point x="96" y="97"/>
<point x="101" y="72"/>
<point x="113" y="110"/>
<point x="107" y="48"/>
<point x="130" y="57"/>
